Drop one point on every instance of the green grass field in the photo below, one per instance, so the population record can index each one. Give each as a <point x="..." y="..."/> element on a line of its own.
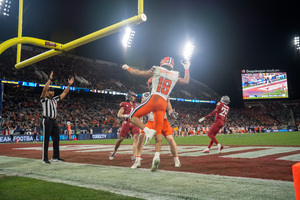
<point x="284" y="138"/>
<point x="22" y="188"/>
<point x="27" y="188"/>
<point x="275" y="92"/>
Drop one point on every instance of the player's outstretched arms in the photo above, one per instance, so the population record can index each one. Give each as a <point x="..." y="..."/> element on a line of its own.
<point x="137" y="72"/>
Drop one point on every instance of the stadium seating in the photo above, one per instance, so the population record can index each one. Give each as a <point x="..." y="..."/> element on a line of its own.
<point x="22" y="107"/>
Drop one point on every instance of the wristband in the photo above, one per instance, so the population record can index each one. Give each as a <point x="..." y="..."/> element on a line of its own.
<point x="129" y="68"/>
<point x="50" y="79"/>
<point x="186" y="71"/>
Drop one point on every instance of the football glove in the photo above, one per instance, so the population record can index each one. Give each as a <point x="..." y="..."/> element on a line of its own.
<point x="125" y="116"/>
<point x="174" y="114"/>
<point x="125" y="67"/>
<point x="186" y="64"/>
<point x="201" y="119"/>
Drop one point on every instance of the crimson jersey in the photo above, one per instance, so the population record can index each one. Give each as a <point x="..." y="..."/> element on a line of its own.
<point x="221" y="112"/>
<point x="128" y="107"/>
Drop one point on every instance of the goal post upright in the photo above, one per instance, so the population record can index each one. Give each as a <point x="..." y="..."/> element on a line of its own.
<point x="57" y="48"/>
<point x="20" y="25"/>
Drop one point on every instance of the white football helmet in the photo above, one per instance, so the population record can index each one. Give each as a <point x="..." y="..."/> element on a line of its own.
<point x="225" y="99"/>
<point x="129" y="96"/>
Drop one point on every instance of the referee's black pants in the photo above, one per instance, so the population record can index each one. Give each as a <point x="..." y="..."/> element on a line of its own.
<point x="50" y="128"/>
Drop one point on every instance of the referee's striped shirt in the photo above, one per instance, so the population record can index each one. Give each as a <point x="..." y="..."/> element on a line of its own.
<point x="50" y="106"/>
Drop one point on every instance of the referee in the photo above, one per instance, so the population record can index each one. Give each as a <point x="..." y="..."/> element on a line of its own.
<point x="49" y="123"/>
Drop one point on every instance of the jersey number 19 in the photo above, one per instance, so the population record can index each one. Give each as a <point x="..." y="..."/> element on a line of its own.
<point x="164" y="85"/>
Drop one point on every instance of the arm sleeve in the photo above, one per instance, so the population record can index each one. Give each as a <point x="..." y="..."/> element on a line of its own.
<point x="152" y="69"/>
<point x="214" y="112"/>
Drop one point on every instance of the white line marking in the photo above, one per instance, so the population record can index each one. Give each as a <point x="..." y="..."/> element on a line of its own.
<point x="149" y="185"/>
<point x="182" y="150"/>
<point x="295" y="157"/>
<point x="262" y="153"/>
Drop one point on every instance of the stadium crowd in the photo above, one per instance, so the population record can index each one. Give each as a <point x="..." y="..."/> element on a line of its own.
<point x="89" y="73"/>
<point x="22" y="109"/>
<point x="89" y="111"/>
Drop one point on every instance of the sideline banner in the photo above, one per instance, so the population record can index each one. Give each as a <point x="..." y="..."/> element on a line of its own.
<point x="62" y="137"/>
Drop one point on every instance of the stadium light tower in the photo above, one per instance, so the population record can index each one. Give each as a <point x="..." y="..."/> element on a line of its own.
<point x="5" y="7"/>
<point x="188" y="51"/>
<point x="297" y="42"/>
<point x="128" y="37"/>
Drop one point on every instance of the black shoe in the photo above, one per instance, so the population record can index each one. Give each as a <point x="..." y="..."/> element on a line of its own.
<point x="57" y="160"/>
<point x="46" y="162"/>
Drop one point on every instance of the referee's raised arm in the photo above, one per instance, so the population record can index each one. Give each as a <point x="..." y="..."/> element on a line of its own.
<point x="65" y="92"/>
<point x="46" y="87"/>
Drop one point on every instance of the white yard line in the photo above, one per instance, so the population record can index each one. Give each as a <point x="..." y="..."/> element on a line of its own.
<point x="145" y="184"/>
<point x="194" y="151"/>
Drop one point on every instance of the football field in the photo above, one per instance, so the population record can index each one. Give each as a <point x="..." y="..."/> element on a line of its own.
<point x="241" y="171"/>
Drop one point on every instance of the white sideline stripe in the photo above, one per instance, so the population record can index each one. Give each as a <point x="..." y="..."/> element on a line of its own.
<point x="262" y="153"/>
<point x="69" y="147"/>
<point x="295" y="157"/>
<point x="107" y="148"/>
<point x="149" y="185"/>
<point x="214" y="150"/>
<point x="182" y="150"/>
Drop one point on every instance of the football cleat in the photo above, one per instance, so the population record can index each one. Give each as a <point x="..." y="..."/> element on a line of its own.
<point x="149" y="135"/>
<point x="205" y="150"/>
<point x="177" y="163"/>
<point x="220" y="147"/>
<point x="135" y="165"/>
<point x="155" y="165"/>
<point x="112" y="156"/>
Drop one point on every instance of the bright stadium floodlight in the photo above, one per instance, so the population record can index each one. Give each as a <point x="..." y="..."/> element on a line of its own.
<point x="297" y="42"/>
<point x="188" y="51"/>
<point x="128" y="37"/>
<point x="4" y="7"/>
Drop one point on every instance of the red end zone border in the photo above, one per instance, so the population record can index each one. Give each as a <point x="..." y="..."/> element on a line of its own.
<point x="229" y="163"/>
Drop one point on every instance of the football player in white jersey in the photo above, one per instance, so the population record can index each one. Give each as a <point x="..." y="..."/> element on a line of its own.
<point x="166" y="132"/>
<point x="164" y="79"/>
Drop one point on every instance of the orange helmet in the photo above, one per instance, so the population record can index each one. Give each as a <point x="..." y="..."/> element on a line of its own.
<point x="169" y="61"/>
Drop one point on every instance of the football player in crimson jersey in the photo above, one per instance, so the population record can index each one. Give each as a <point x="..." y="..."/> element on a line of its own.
<point x="164" y="79"/>
<point x="166" y="132"/>
<point x="126" y="108"/>
<point x="221" y="112"/>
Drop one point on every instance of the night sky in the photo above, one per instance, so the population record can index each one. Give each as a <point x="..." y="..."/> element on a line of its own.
<point x="229" y="35"/>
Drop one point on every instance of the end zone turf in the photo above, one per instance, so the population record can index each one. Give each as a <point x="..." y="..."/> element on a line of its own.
<point x="145" y="184"/>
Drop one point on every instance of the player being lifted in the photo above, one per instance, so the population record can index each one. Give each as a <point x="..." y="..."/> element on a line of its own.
<point x="166" y="131"/>
<point x="126" y="107"/>
<point x="221" y="112"/>
<point x="163" y="80"/>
